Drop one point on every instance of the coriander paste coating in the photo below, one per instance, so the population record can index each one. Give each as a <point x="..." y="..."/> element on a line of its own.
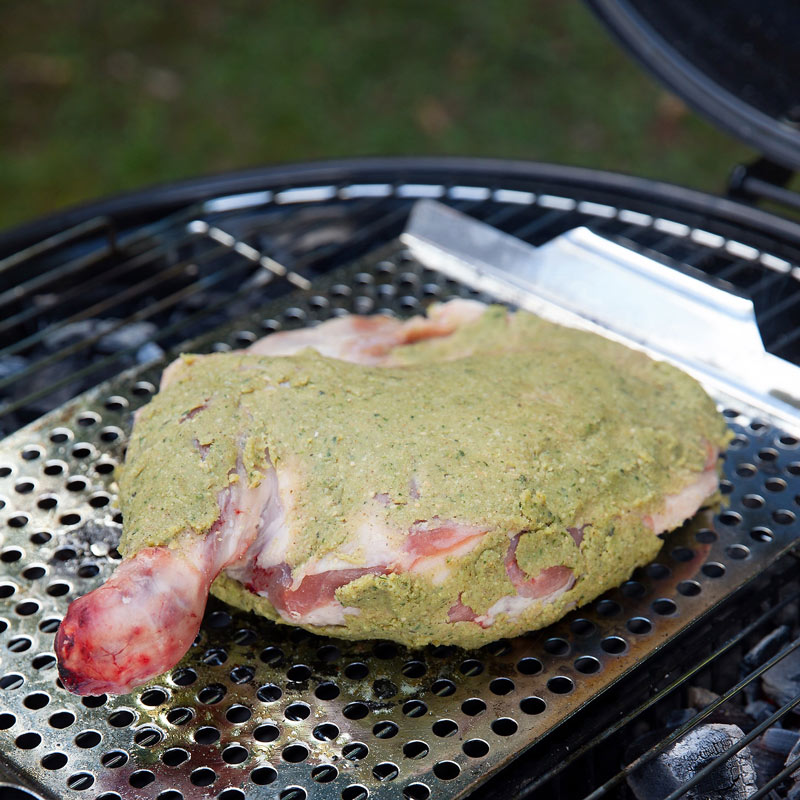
<point x="512" y="423"/>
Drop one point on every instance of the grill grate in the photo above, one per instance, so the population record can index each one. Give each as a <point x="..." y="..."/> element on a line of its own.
<point x="256" y="706"/>
<point x="257" y="710"/>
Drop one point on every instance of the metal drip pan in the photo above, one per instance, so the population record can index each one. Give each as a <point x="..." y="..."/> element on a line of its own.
<point x="257" y="710"/>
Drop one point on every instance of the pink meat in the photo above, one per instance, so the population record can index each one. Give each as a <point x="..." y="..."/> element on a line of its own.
<point x="314" y="591"/>
<point x="142" y="620"/>
<point x="423" y="541"/>
<point x="548" y="581"/>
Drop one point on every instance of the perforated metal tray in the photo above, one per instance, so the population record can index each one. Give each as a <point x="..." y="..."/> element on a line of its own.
<point x="258" y="710"/>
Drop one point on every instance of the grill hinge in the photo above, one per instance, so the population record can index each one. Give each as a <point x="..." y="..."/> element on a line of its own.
<point x="763" y="179"/>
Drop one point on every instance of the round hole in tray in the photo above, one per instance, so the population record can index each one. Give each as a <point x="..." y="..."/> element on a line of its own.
<point x="88" y="739"/>
<point x="212" y="694"/>
<point x="41" y="537"/>
<point x="582" y="627"/>
<point x="236" y="754"/>
<point x="505" y="726"/>
<point x="80" y="781"/>
<point x="355" y="751"/>
<point x="175" y="756"/>
<point x="54" y="467"/>
<point x="775" y="484"/>
<point x="203" y="776"/>
<point x="608" y="608"/>
<point x="445" y="728"/>
<point x="639" y="625"/>
<point x="713" y="569"/>
<point x="443" y="687"/>
<point x="94" y="700"/>
<point x="36" y="700"/>
<point x="416" y="791"/>
<point x="25" y="486"/>
<point x="61" y="719"/>
<point x="54" y="761"/>
<point x="11" y="555"/>
<point x="238" y="714"/>
<point x="385" y="771"/>
<point x="47" y="502"/>
<point x="28" y="741"/>
<point x="473" y="706"/>
<point x="783" y="516"/>
<point x="43" y="661"/>
<point x="11" y="681"/>
<point x="114" y="759"/>
<point x="682" y="554"/>
<point x="88" y="570"/>
<point x="556" y="646"/>
<point x="7" y="589"/>
<point x="215" y="656"/>
<point x="587" y="665"/>
<point x="446" y="770"/>
<point x="7" y="721"/>
<point x="121" y="718"/>
<point x="793" y="468"/>
<point x="532" y="705"/>
<point x="19" y="644"/>
<point x="299" y="711"/>
<point x="293" y="793"/>
<point x="356" y="710"/>
<point x="560" y="684"/>
<point x="412" y="708"/>
<point x="737" y="551"/>
<point x="294" y="753"/>
<point x="242" y="674"/>
<point x="768" y="454"/>
<point x="185" y="676"/>
<point x="475" y="748"/>
<point x="414" y="669"/>
<point x="356" y="671"/>
<point x="154" y="697"/>
<point x="148" y="737"/>
<point x="614" y="645"/>
<point x="269" y="693"/>
<point x="385" y="729"/>
<point x="263" y="776"/>
<point x="208" y="735"/>
<point x="263" y="733"/>
<point x="706" y="536"/>
<point x="416" y="749"/>
<point x="746" y="470"/>
<point x="761" y="534"/>
<point x="180" y="715"/>
<point x="326" y="732"/>
<point x="471" y="667"/>
<point x="664" y="606"/>
<point x="738" y="442"/>
<point x="26" y="608"/>
<point x="298" y="673"/>
<point x="501" y="686"/>
<point x="325" y="773"/>
<point x="327" y="690"/>
<point x="272" y="656"/>
<point x="752" y="501"/>
<point x="31" y="452"/>
<point x="529" y="666"/>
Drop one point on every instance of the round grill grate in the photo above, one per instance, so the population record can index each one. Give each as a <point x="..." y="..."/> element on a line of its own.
<point x="258" y="710"/>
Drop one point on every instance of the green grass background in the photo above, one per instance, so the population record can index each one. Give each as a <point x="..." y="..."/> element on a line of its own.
<point x="100" y="97"/>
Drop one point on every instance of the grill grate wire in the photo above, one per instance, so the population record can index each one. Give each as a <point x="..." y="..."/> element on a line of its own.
<point x="410" y="288"/>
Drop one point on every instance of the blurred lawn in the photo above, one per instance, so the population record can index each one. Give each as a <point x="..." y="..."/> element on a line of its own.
<point x="96" y="97"/>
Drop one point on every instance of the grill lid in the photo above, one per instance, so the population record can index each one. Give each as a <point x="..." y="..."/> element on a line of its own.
<point x="734" y="61"/>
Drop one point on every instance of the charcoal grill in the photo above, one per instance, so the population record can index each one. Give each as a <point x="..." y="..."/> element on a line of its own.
<point x="95" y="300"/>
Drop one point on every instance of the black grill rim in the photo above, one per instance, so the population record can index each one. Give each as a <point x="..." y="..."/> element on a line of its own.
<point x="145" y="205"/>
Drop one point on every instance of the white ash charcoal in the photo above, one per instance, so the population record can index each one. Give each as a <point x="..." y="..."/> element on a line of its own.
<point x="149" y="352"/>
<point x="770" y="750"/>
<point x="699" y="697"/>
<point x="759" y="710"/>
<point x="781" y="683"/>
<point x="11" y="365"/>
<point x="76" y="332"/>
<point x="760" y="654"/>
<point x="734" y="779"/>
<point x="130" y="336"/>
<point x="766" y="648"/>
